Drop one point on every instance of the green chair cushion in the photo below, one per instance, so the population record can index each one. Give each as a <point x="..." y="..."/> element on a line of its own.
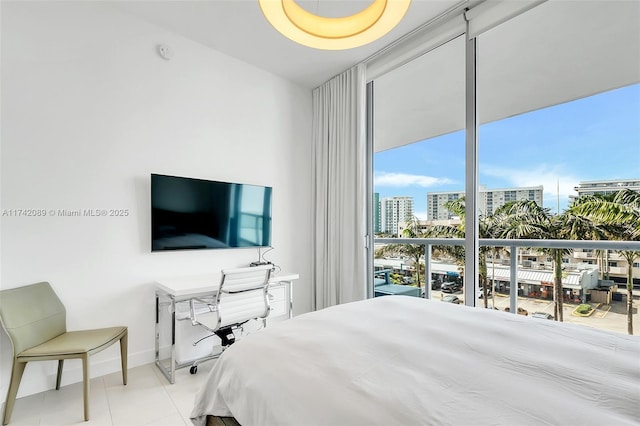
<point x="75" y="343"/>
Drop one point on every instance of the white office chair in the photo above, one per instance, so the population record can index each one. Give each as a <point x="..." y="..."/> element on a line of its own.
<point x="243" y="296"/>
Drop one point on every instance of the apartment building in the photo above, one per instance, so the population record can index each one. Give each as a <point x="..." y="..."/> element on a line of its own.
<point x="394" y="210"/>
<point x="605" y="187"/>
<point x="488" y="200"/>
<point x="612" y="265"/>
<point x="376" y="213"/>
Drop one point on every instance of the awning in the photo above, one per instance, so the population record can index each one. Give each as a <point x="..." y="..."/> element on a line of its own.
<point x="544" y="278"/>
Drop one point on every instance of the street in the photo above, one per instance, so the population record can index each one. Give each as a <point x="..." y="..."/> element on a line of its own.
<point x="608" y="317"/>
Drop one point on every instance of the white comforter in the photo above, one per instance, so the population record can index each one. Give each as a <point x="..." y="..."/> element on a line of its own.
<point x="400" y="360"/>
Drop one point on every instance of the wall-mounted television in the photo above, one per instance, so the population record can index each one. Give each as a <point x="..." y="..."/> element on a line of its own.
<point x="191" y="214"/>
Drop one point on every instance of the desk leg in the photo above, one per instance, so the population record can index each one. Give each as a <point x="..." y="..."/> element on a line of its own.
<point x="290" y="285"/>
<point x="173" y="341"/>
<point x="168" y="371"/>
<point x="157" y="329"/>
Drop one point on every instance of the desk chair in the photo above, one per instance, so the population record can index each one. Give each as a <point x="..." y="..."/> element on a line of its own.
<point x="243" y="296"/>
<point x="35" y="321"/>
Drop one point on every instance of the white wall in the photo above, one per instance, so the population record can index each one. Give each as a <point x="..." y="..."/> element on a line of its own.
<point x="89" y="111"/>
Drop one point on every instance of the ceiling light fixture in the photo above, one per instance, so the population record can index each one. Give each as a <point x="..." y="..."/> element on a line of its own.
<point x="321" y="32"/>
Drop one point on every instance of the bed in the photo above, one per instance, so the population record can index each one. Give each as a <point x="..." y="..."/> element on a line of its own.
<point x="400" y="360"/>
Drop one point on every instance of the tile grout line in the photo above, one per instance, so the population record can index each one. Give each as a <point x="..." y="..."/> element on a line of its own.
<point x="106" y="395"/>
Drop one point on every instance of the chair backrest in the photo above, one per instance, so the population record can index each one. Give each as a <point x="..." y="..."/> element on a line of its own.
<point x="31" y="315"/>
<point x="243" y="294"/>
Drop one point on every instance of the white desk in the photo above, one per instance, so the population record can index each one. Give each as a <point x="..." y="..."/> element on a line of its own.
<point x="170" y="292"/>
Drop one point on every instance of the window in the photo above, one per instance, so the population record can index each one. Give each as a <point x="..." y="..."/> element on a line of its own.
<point x="419" y="151"/>
<point x="539" y="124"/>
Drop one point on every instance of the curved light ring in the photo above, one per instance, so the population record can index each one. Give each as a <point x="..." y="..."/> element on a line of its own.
<point x="347" y="32"/>
<point x="347" y="26"/>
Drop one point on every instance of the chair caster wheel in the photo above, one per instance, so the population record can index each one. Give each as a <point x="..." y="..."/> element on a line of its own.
<point x="193" y="369"/>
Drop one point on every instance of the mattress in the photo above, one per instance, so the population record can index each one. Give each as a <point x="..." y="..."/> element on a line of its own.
<point x="399" y="360"/>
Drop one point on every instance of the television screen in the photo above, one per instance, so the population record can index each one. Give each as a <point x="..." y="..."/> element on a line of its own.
<point x="189" y="214"/>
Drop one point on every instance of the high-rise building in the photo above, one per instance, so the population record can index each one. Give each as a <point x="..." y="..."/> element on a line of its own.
<point x="605" y="187"/>
<point x="376" y="213"/>
<point x="394" y="210"/>
<point x="435" y="204"/>
<point x="489" y="200"/>
<point x="612" y="264"/>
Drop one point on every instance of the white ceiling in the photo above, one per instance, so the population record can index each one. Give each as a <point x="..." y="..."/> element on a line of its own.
<point x="238" y="28"/>
<point x="559" y="51"/>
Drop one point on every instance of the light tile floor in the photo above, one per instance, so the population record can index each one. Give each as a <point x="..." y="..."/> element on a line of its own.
<point x="147" y="399"/>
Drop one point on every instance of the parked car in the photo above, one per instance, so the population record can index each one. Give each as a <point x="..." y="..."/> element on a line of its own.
<point x="450" y="298"/>
<point x="521" y="311"/>
<point x="435" y="285"/>
<point x="407" y="280"/>
<point x="542" y="315"/>
<point x="450" y="287"/>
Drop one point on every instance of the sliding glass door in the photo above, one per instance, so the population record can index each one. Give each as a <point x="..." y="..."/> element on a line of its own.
<point x="557" y="99"/>
<point x="559" y="104"/>
<point x="418" y="164"/>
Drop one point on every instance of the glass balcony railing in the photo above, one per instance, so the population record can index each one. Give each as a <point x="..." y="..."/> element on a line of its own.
<point x="587" y="295"/>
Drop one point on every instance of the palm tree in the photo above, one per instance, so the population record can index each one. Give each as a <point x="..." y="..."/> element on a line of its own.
<point x="457" y="207"/>
<point x="619" y="215"/>
<point x="622" y="207"/>
<point x="527" y="220"/>
<point x="415" y="252"/>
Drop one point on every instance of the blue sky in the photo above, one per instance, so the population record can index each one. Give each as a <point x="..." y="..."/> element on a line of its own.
<point x="594" y="138"/>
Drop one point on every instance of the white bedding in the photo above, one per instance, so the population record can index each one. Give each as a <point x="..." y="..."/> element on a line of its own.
<point x="401" y="360"/>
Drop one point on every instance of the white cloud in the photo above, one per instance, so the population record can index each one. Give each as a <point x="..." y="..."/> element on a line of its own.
<point x="403" y="179"/>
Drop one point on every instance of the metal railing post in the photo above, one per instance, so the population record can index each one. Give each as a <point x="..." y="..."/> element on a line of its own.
<point x="514" y="245"/>
<point x="513" y="280"/>
<point x="427" y="271"/>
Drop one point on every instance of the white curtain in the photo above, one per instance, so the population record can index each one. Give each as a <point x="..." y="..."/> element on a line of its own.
<point x="339" y="191"/>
